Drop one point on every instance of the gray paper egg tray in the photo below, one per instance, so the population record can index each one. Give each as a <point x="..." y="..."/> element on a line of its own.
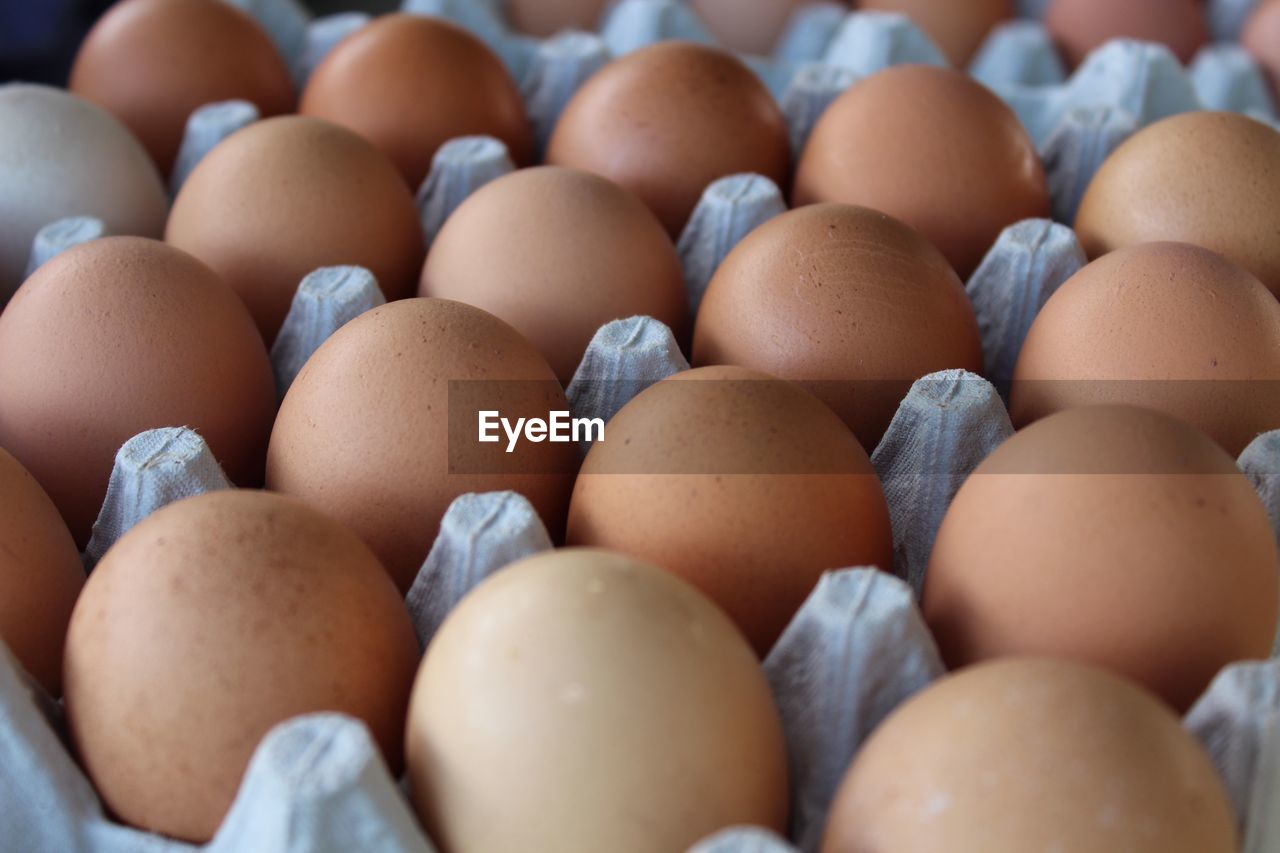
<point x="858" y="648"/>
<point x="855" y="651"/>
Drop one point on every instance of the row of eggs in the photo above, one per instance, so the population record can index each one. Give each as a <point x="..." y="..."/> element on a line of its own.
<point x="124" y="334"/>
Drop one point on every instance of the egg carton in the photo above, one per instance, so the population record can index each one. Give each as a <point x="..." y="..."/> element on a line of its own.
<point x="856" y="650"/>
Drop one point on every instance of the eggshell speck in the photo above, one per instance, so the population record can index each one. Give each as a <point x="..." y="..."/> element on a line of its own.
<point x="594" y="703"/>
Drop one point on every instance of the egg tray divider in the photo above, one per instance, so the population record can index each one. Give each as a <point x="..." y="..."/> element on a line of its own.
<point x="856" y="650"/>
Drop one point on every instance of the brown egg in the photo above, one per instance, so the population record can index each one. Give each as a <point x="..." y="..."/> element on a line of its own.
<point x="1205" y="177"/>
<point x="206" y="625"/>
<point x="380" y="428"/>
<point x="667" y="121"/>
<point x="957" y="166"/>
<point x="1081" y="26"/>
<point x="118" y="336"/>
<point x="747" y="26"/>
<point x="1165" y="325"/>
<point x="40" y="575"/>
<point x="595" y="703"/>
<point x="410" y="83"/>
<point x="285" y="196"/>
<point x="959" y="29"/>
<point x="1029" y="755"/>
<point x="152" y="63"/>
<point x="848" y="302"/>
<point x="558" y="253"/>
<point x="1112" y="535"/>
<point x="547" y="17"/>
<point x="746" y="486"/>
<point x="1261" y="37"/>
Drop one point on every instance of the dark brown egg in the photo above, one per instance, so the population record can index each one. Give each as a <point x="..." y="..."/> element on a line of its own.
<point x="152" y="63"/>
<point x="667" y="121"/>
<point x="410" y="83"/>
<point x="933" y="148"/>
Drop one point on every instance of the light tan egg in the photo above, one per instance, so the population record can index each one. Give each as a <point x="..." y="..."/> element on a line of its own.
<point x="580" y="700"/>
<point x="1207" y="178"/>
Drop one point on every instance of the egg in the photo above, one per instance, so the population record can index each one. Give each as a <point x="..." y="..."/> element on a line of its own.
<point x="580" y="700"/>
<point x="61" y="156"/>
<point x="1031" y="755"/>
<point x="545" y="18"/>
<point x="847" y="301"/>
<point x="668" y="120"/>
<point x="1208" y="178"/>
<point x="283" y="197"/>
<point x="40" y="575"/>
<point x="959" y="29"/>
<point x="1261" y="37"/>
<point x="209" y="623"/>
<point x="1081" y="26"/>
<point x="933" y="148"/>
<point x="151" y="63"/>
<point x="558" y="253"/>
<point x="1126" y="539"/>
<point x="746" y="486"/>
<point x="410" y="83"/>
<point x="1166" y="325"/>
<point x="117" y="336"/>
<point x="747" y="26"/>
<point x="380" y="429"/>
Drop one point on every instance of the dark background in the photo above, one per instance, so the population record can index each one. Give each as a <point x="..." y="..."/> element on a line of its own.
<point x="38" y="38"/>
